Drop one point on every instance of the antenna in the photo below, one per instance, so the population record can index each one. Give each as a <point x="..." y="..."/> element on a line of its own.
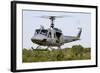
<point x="79" y="23"/>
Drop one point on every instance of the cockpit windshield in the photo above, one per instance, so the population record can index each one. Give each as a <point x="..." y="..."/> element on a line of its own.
<point x="43" y="31"/>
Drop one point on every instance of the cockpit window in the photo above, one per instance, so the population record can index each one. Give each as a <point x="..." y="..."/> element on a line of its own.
<point x="44" y="32"/>
<point x="58" y="34"/>
<point x="37" y="31"/>
<point x="49" y="35"/>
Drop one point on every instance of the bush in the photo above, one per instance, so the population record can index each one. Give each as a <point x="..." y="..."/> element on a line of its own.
<point x="77" y="52"/>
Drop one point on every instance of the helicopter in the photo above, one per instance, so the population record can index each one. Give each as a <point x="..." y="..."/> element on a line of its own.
<point x="52" y="37"/>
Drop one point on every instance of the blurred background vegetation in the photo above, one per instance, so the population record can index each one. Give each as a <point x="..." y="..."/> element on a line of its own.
<point x="77" y="52"/>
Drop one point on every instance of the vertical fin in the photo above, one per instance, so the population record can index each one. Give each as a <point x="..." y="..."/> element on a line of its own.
<point x="79" y="34"/>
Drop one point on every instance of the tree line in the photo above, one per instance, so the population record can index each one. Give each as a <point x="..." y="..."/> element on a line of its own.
<point x="76" y="52"/>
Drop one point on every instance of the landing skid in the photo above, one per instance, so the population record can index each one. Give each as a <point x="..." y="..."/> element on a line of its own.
<point x="38" y="48"/>
<point x="48" y="48"/>
<point x="59" y="55"/>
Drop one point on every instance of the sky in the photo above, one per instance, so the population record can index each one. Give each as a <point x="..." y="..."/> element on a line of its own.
<point x="69" y="23"/>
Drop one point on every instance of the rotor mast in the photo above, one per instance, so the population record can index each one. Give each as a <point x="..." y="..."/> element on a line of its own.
<point x="52" y="18"/>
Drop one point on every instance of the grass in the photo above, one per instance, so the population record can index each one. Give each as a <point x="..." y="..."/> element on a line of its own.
<point x="77" y="52"/>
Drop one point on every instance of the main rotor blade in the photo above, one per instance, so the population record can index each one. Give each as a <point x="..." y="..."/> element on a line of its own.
<point x="47" y="17"/>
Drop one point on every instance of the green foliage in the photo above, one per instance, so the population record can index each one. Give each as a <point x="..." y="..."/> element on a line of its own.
<point x="77" y="52"/>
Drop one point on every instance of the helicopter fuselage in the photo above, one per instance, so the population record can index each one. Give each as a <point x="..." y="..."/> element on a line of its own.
<point x="45" y="41"/>
<point x="52" y="37"/>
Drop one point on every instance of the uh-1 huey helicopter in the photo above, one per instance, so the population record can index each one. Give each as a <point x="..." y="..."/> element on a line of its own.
<point x="52" y="37"/>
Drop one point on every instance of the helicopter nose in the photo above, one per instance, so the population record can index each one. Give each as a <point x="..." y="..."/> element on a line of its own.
<point x="37" y="38"/>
